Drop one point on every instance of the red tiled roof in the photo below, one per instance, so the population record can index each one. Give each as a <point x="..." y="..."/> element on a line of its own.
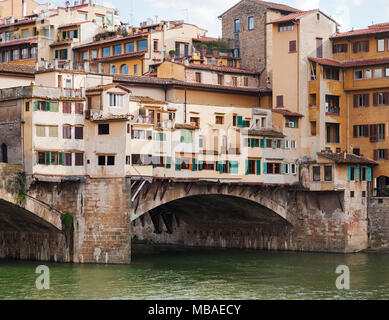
<point x="121" y="56"/>
<point x="287" y="113"/>
<point x="366" y="62"/>
<point x="384" y="28"/>
<point x="26" y="21"/>
<point x="292" y="16"/>
<point x="341" y="158"/>
<point x="220" y="68"/>
<point x="269" y="5"/>
<point x="17" y="42"/>
<point x="327" y="62"/>
<point x="74" y="24"/>
<point x="110" y="40"/>
<point x="16" y="68"/>
<point x="60" y="43"/>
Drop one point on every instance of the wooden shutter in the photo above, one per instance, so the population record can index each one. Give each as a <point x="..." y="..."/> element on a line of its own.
<point x="356" y="98"/>
<point x="355" y="47"/>
<point x="386" y="95"/>
<point x="292" y="46"/>
<point x="386" y="154"/>
<point x="373" y="133"/>
<point x="375" y="157"/>
<point x="258" y="163"/>
<point x="280" y="101"/>
<point x="355" y="131"/>
<point x="375" y="99"/>
<point x="367" y="100"/>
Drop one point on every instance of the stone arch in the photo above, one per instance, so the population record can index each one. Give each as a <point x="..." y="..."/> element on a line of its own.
<point x="156" y="194"/>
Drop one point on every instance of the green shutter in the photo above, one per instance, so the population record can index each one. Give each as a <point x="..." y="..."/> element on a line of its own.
<point x="283" y="144"/>
<point x="349" y="173"/>
<point x="48" y="158"/>
<point x="217" y="166"/>
<point x="283" y="168"/>
<point x="357" y="174"/>
<point x="178" y="164"/>
<point x="60" y="158"/>
<point x="36" y="105"/>
<point x="201" y="165"/>
<point x="239" y="121"/>
<point x="201" y="144"/>
<point x="368" y="172"/>
<point x="56" y="54"/>
<point x="258" y="167"/>
<point x="262" y="143"/>
<point x="54" y="106"/>
<point x="234" y="167"/>
<point x="64" y="36"/>
<point x="75" y="33"/>
<point x="265" y="168"/>
<point x="194" y="164"/>
<point x="66" y="54"/>
<point x="252" y="143"/>
<point x="247" y="167"/>
<point x="47" y="106"/>
<point x="182" y="139"/>
<point x="221" y="163"/>
<point x="155" y="161"/>
<point x="168" y="162"/>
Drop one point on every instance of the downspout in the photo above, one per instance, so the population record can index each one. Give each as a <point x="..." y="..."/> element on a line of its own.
<point x="265" y="58"/>
<point x="298" y="66"/>
<point x="185" y="107"/>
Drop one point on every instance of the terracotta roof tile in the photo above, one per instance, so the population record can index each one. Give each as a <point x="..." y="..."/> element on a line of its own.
<point x="74" y="24"/>
<point x="366" y="62"/>
<point x="26" y="21"/>
<point x="120" y="56"/>
<point x="291" y="17"/>
<point x="287" y="113"/>
<point x="17" y="42"/>
<point x="327" y="62"/>
<point x="277" y="6"/>
<point x="111" y="40"/>
<point x="340" y="158"/>
<point x="16" y="68"/>
<point x="384" y="28"/>
<point x="145" y="99"/>
<point x="221" y="68"/>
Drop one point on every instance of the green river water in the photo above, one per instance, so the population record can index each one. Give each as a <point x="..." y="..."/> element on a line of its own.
<point x="182" y="273"/>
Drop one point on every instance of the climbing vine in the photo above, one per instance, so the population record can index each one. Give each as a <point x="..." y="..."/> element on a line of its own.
<point x="18" y="186"/>
<point x="67" y="222"/>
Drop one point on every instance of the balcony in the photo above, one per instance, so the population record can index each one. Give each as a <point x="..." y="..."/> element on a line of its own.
<point x="333" y="111"/>
<point x="73" y="93"/>
<point x="144" y="120"/>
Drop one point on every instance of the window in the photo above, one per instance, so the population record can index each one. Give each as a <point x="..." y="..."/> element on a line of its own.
<point x="142" y="45"/>
<point x="328" y="173"/>
<point x="53" y="132"/>
<point x="361" y="100"/>
<point x="15" y="55"/>
<point x="292" y="46"/>
<point x="246" y="81"/>
<point x="129" y="47"/>
<point x="285" y="27"/>
<point x="101" y="160"/>
<point x="340" y="48"/>
<point x="219" y="120"/>
<point x="54" y="158"/>
<point x="195" y="121"/>
<point x="93" y="54"/>
<point x="82" y="16"/>
<point x="361" y="46"/>
<point x="66" y="132"/>
<point x="117" y="49"/>
<point x="333" y="132"/>
<point x="316" y="173"/>
<point x="236" y="25"/>
<point x="291" y="122"/>
<point x="386" y="72"/>
<point x="99" y="19"/>
<point x="124" y="69"/>
<point x="381" y="98"/>
<point x="280" y="101"/>
<point x="313" y="128"/>
<point x="378" y="73"/>
<point x="61" y="54"/>
<point x="293" y="144"/>
<point x="381" y="132"/>
<point x="380" y="45"/>
<point x="155" y="45"/>
<point x="103" y="129"/>
<point x="141" y="159"/>
<point x="79" y="108"/>
<point x="25" y="53"/>
<point x="114" y="69"/>
<point x="84" y="55"/>
<point x="361" y="131"/>
<point x="27" y="106"/>
<point x="250" y="23"/>
<point x="79" y="133"/>
<point x="40" y="131"/>
<point x="106" y="51"/>
<point x="67" y="159"/>
<point x="331" y="74"/>
<point x="26" y="33"/>
<point x="357" y="151"/>
<point x="332" y="105"/>
<point x="235" y="81"/>
<point x="381" y="154"/>
<point x="67" y="107"/>
<point x="115" y="100"/>
<point x="220" y="79"/>
<point x="138" y="134"/>
<point x="41" y="158"/>
<point x="110" y="160"/>
<point x="135" y="69"/>
<point x="358" y="74"/>
<point x="79" y="159"/>
<point x="198" y="77"/>
<point x="368" y="74"/>
<point x="273" y="168"/>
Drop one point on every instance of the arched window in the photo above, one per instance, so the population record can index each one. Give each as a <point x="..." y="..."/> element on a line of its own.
<point x="124" y="69"/>
<point x="4" y="153"/>
<point x="114" y="69"/>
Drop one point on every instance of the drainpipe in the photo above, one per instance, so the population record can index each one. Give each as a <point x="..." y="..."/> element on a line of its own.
<point x="298" y="66"/>
<point x="185" y="107"/>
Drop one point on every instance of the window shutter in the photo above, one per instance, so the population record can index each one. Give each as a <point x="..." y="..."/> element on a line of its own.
<point x="355" y="131"/>
<point x="48" y="158"/>
<point x="239" y="121"/>
<point x="367" y="46"/>
<point x="36" y="105"/>
<point x="76" y="33"/>
<point x="283" y="168"/>
<point x="373" y="133"/>
<point x="178" y="164"/>
<point x="65" y="56"/>
<point x="356" y="100"/>
<point x="368" y="173"/>
<point x="357" y="174"/>
<point x="64" y="35"/>
<point x="47" y="106"/>
<point x="252" y="142"/>
<point x="247" y="167"/>
<point x="155" y="161"/>
<point x="56" y="54"/>
<point x="355" y="47"/>
<point x="367" y="100"/>
<point x="258" y="163"/>
<point x="386" y="95"/>
<point x="221" y="169"/>
<point x="201" y="165"/>
<point x="194" y="164"/>
<point x="262" y="143"/>
<point x="349" y="173"/>
<point x="386" y="154"/>
<point x="265" y="168"/>
<point x="375" y="99"/>
<point x="375" y="155"/>
<point x="54" y="106"/>
<point x="168" y="162"/>
<point x="60" y="158"/>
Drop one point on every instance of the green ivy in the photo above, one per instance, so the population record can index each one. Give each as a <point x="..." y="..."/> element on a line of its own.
<point x="67" y="221"/>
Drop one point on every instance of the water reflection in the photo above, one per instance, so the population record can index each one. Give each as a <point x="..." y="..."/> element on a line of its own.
<point x="181" y="273"/>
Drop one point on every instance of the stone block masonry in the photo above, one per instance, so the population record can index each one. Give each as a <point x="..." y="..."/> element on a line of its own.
<point x="379" y="223"/>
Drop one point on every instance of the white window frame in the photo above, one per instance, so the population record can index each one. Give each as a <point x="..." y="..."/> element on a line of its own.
<point x="355" y="71"/>
<point x="115" y="100"/>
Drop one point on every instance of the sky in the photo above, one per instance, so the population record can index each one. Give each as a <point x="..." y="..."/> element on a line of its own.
<point x="204" y="13"/>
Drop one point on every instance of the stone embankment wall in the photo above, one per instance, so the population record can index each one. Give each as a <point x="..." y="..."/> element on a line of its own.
<point x="379" y="223"/>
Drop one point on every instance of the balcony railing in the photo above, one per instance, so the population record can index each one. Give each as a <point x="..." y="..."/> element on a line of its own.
<point x="144" y="120"/>
<point x="333" y="110"/>
<point x="73" y="93"/>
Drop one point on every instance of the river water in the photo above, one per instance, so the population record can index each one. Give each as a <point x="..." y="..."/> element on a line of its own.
<point x="181" y="273"/>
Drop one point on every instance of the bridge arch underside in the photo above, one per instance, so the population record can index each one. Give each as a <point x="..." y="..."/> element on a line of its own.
<point x="214" y="220"/>
<point x="26" y="236"/>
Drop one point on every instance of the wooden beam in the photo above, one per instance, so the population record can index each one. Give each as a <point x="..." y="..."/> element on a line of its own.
<point x="146" y="191"/>
<point x="166" y="186"/>
<point x="188" y="187"/>
<point x="156" y="191"/>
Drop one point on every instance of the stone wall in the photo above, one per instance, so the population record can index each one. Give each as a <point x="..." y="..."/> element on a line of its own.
<point x="379" y="223"/>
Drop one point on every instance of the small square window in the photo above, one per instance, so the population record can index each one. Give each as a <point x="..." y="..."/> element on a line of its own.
<point x="352" y="194"/>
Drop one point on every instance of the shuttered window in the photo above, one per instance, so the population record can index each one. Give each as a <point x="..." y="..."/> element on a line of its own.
<point x="361" y="46"/>
<point x="280" y="101"/>
<point x="79" y="133"/>
<point x="67" y="132"/>
<point x="361" y="100"/>
<point x="67" y="107"/>
<point x="79" y="108"/>
<point x="292" y="46"/>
